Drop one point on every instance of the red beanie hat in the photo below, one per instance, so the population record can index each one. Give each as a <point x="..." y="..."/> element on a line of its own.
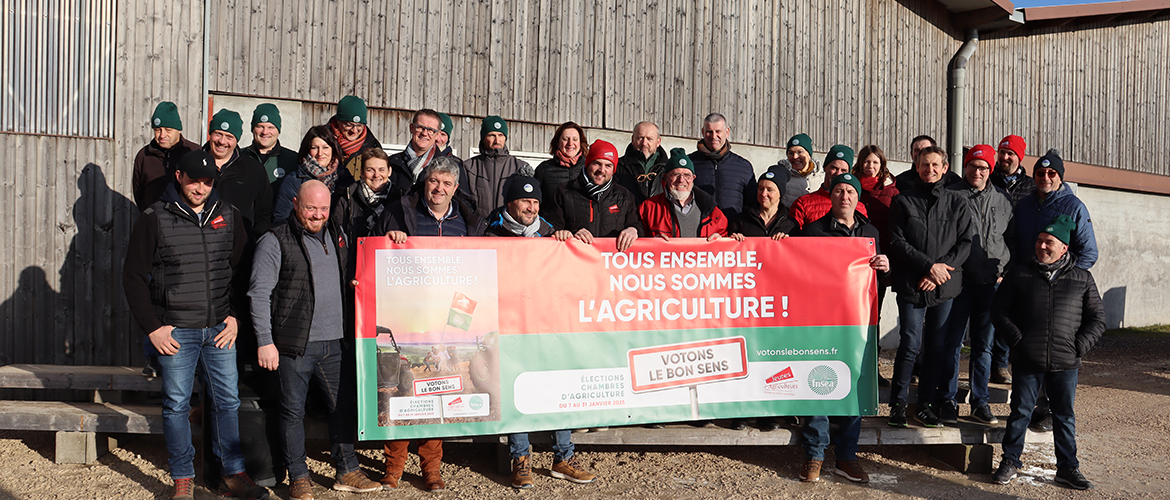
<point x="1014" y="143"/>
<point x="981" y="152"/>
<point x="601" y="150"/>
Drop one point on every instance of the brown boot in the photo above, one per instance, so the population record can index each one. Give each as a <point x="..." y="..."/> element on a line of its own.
<point x="395" y="454"/>
<point x="301" y="489"/>
<point x="571" y="470"/>
<point x="184" y="489"/>
<point x="811" y="472"/>
<point x="242" y="486"/>
<point x="521" y="473"/>
<point x="433" y="481"/>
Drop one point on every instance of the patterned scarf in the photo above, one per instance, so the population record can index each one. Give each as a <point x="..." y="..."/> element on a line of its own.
<point x="347" y="146"/>
<point x="326" y="175"/>
<point x="566" y="161"/>
<point x="1055" y="269"/>
<point x="417" y="163"/>
<point x="375" y="201"/>
<point x="594" y="190"/>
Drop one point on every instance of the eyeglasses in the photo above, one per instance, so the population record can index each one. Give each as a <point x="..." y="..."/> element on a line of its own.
<point x="350" y="125"/>
<point x="979" y="169"/>
<point x="1048" y="172"/>
<point x="423" y="128"/>
<point x="647" y="177"/>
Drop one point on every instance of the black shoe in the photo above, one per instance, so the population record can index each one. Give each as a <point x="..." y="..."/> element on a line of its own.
<point x="948" y="413"/>
<point x="149" y="372"/>
<point x="1073" y="479"/>
<point x="1005" y="473"/>
<point x="1041" y="424"/>
<point x="883" y="382"/>
<point x="738" y="424"/>
<point x="927" y="418"/>
<point x="983" y="414"/>
<point x="767" y="424"/>
<point x="897" y="415"/>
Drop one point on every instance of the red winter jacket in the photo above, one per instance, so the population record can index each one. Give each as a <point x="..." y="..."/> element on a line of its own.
<point x="813" y="206"/>
<point x="878" y="198"/>
<point x="658" y="218"/>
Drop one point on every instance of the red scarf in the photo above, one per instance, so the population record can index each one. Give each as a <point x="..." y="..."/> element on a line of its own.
<point x="347" y="146"/>
<point x="565" y="161"/>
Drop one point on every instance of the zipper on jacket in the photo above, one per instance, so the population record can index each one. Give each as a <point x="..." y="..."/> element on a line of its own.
<point x="590" y="210"/>
<point x="201" y="222"/>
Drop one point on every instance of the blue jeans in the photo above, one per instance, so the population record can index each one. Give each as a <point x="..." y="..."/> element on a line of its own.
<point x="562" y="446"/>
<point x="197" y="349"/>
<point x="1062" y="389"/>
<point x="322" y="364"/>
<point x="974" y="306"/>
<point x="914" y="324"/>
<point x="816" y="437"/>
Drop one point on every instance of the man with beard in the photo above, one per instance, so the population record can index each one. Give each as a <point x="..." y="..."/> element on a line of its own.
<point x="593" y="206"/>
<point x="638" y="170"/>
<point x="1009" y="174"/>
<point x="682" y="211"/>
<point x="277" y="160"/>
<point x="350" y="127"/>
<point x="155" y="163"/>
<point x="185" y="248"/>
<point x="304" y="328"/>
<point x="727" y="176"/>
<point x="488" y="172"/>
<point x="242" y="181"/>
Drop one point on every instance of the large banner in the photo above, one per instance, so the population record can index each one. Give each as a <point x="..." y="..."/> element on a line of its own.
<point x="472" y="336"/>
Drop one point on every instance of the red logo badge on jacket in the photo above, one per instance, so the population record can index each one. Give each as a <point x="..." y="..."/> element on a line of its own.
<point x="613" y="209"/>
<point x="340" y="242"/>
<point x="218" y="223"/>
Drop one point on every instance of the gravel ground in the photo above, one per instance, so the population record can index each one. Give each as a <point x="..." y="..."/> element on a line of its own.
<point x="1123" y="410"/>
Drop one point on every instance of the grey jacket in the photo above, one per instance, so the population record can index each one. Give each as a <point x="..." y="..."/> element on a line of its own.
<point x="487" y="175"/>
<point x="991" y="216"/>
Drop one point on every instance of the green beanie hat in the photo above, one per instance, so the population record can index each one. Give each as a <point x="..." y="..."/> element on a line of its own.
<point x="228" y="121"/>
<point x="1061" y="227"/>
<point x="679" y="159"/>
<point x="166" y="114"/>
<point x="493" y="124"/>
<point x="802" y="140"/>
<point x="846" y="178"/>
<point x="839" y="152"/>
<point x="352" y="108"/>
<point x="445" y="123"/>
<point x="266" y="113"/>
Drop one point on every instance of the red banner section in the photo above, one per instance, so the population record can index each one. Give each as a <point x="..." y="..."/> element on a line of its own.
<point x="655" y="285"/>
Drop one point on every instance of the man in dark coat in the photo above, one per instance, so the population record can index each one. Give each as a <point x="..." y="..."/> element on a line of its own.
<point x="433" y="209"/>
<point x="719" y="172"/>
<point x="930" y="240"/>
<point x="593" y="205"/>
<point x="1050" y="314"/>
<point x="1009" y="174"/>
<point x="638" y="170"/>
<point x="277" y="160"/>
<point x="406" y="166"/>
<point x="489" y="172"/>
<point x="155" y="164"/>
<point x="843" y="220"/>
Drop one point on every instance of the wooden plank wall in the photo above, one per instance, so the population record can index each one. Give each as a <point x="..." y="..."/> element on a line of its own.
<point x="1095" y="91"/>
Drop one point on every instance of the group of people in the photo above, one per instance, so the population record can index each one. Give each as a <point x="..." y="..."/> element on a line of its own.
<point x="257" y="244"/>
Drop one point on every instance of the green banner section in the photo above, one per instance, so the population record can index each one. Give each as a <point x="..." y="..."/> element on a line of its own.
<point x="515" y="383"/>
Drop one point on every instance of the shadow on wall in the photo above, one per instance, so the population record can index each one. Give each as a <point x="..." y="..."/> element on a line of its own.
<point x="1114" y="301"/>
<point x="85" y="321"/>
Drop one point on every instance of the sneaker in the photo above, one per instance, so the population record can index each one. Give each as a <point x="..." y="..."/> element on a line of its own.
<point x="521" y="473"/>
<point x="1041" y="423"/>
<point x="1005" y="473"/>
<point x="301" y="489"/>
<point x="571" y="470"/>
<point x="948" y="413"/>
<point x="811" y="473"/>
<point x="148" y="371"/>
<point x="927" y="418"/>
<point x="983" y="414"/>
<point x="897" y="415"/>
<point x="184" y="489"/>
<point x="242" y="486"/>
<point x="1001" y="376"/>
<point x="433" y="481"/>
<point x="851" y="470"/>
<point x="355" y="481"/>
<point x="1073" y="479"/>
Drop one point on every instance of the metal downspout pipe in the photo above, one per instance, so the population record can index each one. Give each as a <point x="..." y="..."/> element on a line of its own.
<point x="956" y="110"/>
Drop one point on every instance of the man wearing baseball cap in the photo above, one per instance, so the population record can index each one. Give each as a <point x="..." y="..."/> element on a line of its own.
<point x="593" y="206"/>
<point x="1009" y="174"/>
<point x="155" y="163"/>
<point x="1050" y="313"/>
<point x="991" y="212"/>
<point x="189" y="242"/>
<point x="277" y="160"/>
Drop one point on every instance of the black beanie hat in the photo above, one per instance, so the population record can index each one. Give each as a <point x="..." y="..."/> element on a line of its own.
<point x="1050" y="160"/>
<point x="522" y="187"/>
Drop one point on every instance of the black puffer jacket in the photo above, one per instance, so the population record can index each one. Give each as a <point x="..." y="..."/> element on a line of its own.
<point x="402" y="179"/>
<point x="749" y="223"/>
<point x="401" y="215"/>
<point x="571" y="208"/>
<point x="551" y="174"/>
<point x="929" y="224"/>
<point x="293" y="298"/>
<point x="1049" y="326"/>
<point x="730" y="178"/>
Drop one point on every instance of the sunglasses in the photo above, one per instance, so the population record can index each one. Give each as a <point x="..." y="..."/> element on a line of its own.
<point x="1047" y="172"/>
